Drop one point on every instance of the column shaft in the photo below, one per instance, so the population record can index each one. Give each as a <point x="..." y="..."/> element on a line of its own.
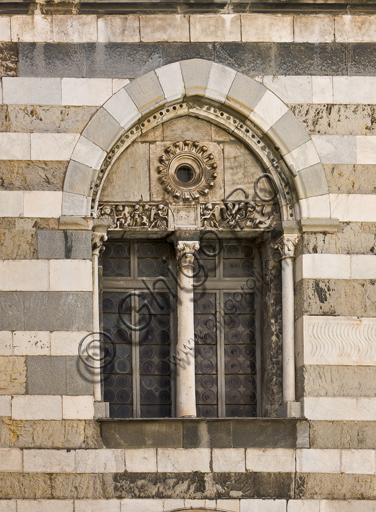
<point x="185" y="346"/>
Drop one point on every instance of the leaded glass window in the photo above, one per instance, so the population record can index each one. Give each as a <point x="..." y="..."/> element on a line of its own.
<point x="140" y="362"/>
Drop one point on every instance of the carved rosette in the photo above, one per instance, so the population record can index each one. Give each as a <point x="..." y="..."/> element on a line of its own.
<point x="201" y="163"/>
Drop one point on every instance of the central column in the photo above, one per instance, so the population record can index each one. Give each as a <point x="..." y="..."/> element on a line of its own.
<point x="185" y="346"/>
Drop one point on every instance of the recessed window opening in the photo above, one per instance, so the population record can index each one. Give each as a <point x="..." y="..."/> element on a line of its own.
<point x="185" y="173"/>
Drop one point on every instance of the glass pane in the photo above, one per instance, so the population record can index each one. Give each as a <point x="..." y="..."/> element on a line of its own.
<point x="240" y="355"/>
<point x="206" y="355"/>
<point x="153" y="259"/>
<point x="238" y="259"/>
<point x="115" y="260"/>
<point x="155" y="351"/>
<point x="117" y="364"/>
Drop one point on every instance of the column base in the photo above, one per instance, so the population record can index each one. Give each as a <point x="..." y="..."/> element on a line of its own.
<point x="101" y="410"/>
<point x="290" y="410"/>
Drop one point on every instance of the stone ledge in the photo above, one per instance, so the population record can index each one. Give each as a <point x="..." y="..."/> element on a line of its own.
<point x="202" y="433"/>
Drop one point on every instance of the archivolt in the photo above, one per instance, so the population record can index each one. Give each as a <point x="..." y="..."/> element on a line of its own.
<point x="199" y="88"/>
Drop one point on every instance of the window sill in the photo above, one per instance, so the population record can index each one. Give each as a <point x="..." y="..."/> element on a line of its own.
<point x="205" y="433"/>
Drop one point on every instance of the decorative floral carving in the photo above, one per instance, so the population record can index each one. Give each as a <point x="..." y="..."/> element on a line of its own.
<point x="140" y="215"/>
<point x="286" y="245"/>
<point x="199" y="160"/>
<point x="185" y="252"/>
<point x="237" y="215"/>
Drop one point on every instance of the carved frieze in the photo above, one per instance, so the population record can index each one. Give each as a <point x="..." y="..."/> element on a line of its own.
<point x="140" y="215"/>
<point x="224" y="216"/>
<point x="187" y="170"/>
<point x="237" y="215"/>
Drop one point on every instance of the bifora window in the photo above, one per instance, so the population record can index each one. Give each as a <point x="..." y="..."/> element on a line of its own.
<point x="139" y="314"/>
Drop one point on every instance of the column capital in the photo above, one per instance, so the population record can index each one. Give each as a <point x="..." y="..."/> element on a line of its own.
<point x="286" y="245"/>
<point x="185" y="251"/>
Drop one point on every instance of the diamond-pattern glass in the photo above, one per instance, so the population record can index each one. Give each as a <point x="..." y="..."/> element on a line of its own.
<point x="155" y="368"/>
<point x="117" y="368"/>
<point x="206" y="355"/>
<point x="115" y="259"/>
<point x="240" y="355"/>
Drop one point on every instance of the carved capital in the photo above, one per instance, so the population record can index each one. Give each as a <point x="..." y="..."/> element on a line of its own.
<point x="185" y="253"/>
<point x="97" y="241"/>
<point x="286" y="245"/>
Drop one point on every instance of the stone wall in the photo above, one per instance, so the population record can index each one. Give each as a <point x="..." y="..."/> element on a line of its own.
<point x="57" y="70"/>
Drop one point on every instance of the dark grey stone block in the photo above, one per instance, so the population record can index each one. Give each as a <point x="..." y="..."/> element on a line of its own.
<point x="52" y="60"/>
<point x="264" y="433"/>
<point x="58" y="311"/>
<point x="12" y="313"/>
<point x="362" y="59"/>
<point x="248" y="58"/>
<point x="46" y="375"/>
<point x="310" y="59"/>
<point x="207" y="434"/>
<point x="8" y="59"/>
<point x="173" y="52"/>
<point x="64" y="244"/>
<point x="79" y="377"/>
<point x="121" y="60"/>
<point x="142" y="434"/>
<point x="201" y="433"/>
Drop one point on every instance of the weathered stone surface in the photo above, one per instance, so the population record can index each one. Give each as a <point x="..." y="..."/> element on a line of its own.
<point x="12" y="303"/>
<point x="351" y="179"/>
<point x="49" y="434"/>
<point x="25" y="486"/>
<point x="335" y="297"/>
<point x="343" y="434"/>
<point x="12" y="375"/>
<point x="310" y="59"/>
<point x="200" y="433"/>
<point x="247" y="58"/>
<point x="336" y="119"/>
<point x="362" y="59"/>
<point x="352" y="238"/>
<point x="8" y="59"/>
<point x="4" y="119"/>
<point x="56" y="119"/>
<point x="203" y="485"/>
<point x="186" y="128"/>
<point x="129" y="176"/>
<point x="35" y="175"/>
<point x="57" y="244"/>
<point x="79" y="486"/>
<point x="58" y="311"/>
<point x="333" y="380"/>
<point x="18" y="237"/>
<point x="52" y="60"/>
<point x="335" y="486"/>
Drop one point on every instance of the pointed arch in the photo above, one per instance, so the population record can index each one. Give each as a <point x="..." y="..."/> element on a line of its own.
<point x="239" y="104"/>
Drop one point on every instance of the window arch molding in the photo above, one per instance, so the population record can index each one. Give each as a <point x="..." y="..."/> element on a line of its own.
<point x="150" y="100"/>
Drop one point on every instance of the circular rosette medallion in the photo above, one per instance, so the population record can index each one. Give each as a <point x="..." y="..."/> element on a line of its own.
<point x="187" y="170"/>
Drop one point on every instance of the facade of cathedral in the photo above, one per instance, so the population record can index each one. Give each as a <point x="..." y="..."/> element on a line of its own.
<point x="187" y="256"/>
